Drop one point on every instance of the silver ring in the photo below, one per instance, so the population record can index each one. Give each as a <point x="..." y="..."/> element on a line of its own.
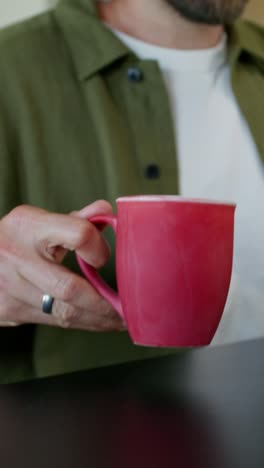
<point x="47" y="303"/>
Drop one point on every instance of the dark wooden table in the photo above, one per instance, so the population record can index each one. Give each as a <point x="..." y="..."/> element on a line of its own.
<point x="204" y="409"/>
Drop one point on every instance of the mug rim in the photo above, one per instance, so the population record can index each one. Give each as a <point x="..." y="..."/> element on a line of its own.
<point x="173" y="198"/>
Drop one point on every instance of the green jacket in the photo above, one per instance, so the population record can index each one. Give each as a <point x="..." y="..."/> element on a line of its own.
<point x="76" y="124"/>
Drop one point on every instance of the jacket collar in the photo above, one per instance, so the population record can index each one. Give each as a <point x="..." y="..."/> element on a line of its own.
<point x="246" y="37"/>
<point x="93" y="46"/>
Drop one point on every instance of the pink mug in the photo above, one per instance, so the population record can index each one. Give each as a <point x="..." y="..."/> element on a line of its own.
<point x="173" y="267"/>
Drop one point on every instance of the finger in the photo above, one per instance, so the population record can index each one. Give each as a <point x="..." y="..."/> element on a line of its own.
<point x="60" y="283"/>
<point x="13" y="313"/>
<point x="71" y="233"/>
<point x="31" y="315"/>
<point x="34" y="227"/>
<point x="57" y="254"/>
<point x="25" y="292"/>
<point x="16" y="286"/>
<point x="104" y="318"/>
<point x="9" y="324"/>
<point x="101" y="320"/>
<point x="99" y="328"/>
<point x="99" y="207"/>
<point x="76" y="304"/>
<point x="100" y="316"/>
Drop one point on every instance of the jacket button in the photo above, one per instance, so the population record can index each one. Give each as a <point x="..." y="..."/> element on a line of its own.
<point x="134" y="74"/>
<point x="152" y="171"/>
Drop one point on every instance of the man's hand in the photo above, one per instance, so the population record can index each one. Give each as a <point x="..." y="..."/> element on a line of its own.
<point x="33" y="242"/>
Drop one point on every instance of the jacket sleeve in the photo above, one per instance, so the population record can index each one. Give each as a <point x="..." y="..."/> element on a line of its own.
<point x="15" y="343"/>
<point x="9" y="172"/>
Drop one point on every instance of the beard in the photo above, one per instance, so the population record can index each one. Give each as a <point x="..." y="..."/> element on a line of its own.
<point x="209" y="11"/>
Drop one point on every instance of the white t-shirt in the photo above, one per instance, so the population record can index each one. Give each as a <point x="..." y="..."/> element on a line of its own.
<point x="218" y="159"/>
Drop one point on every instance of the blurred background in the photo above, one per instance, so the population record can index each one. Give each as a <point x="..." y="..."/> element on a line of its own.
<point x="254" y="11"/>
<point x="14" y="10"/>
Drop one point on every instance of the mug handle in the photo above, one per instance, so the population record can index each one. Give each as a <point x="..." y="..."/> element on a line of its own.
<point x="91" y="273"/>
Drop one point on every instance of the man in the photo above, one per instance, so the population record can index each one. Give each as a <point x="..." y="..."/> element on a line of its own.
<point x="103" y="99"/>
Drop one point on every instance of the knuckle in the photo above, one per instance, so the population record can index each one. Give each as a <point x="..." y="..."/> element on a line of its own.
<point x="66" y="315"/>
<point x="20" y="217"/>
<point x="9" y="251"/>
<point x="67" y="288"/>
<point x="111" y="325"/>
<point x="17" y="215"/>
<point x="8" y="312"/>
<point x="111" y="319"/>
<point x="101" y="260"/>
<point x="9" y="247"/>
<point x="15" y="226"/>
<point x="106" y="310"/>
<point x="64" y="324"/>
<point x="103" y="206"/>
<point x="85" y="233"/>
